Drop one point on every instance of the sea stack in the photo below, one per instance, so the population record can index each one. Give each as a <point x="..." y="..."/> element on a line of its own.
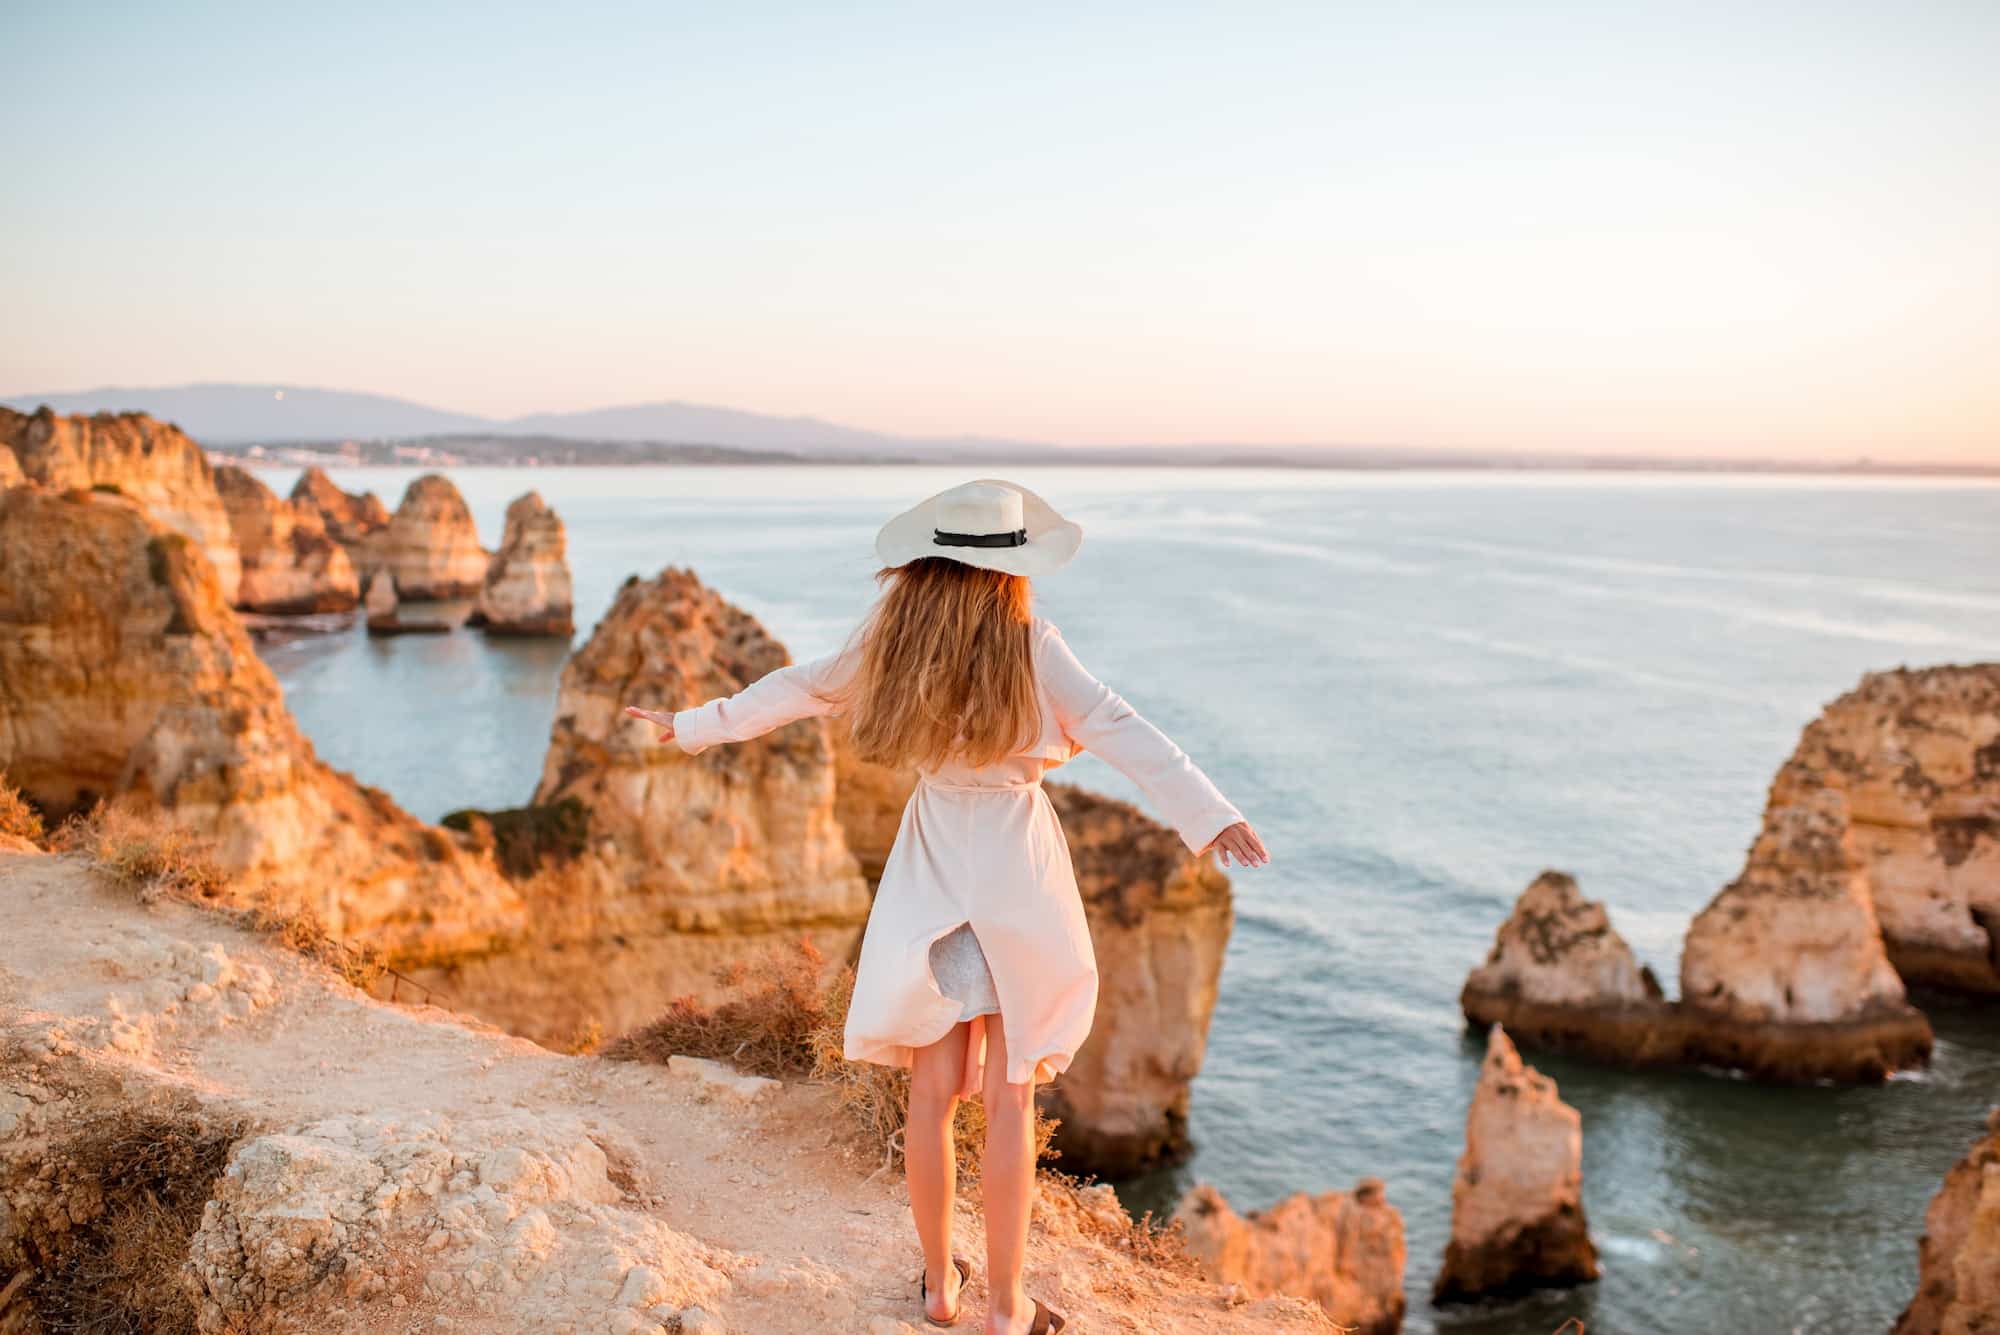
<point x="1958" y="1259"/>
<point x="152" y="462"/>
<point x="1784" y="974"/>
<point x="691" y="862"/>
<point x="290" y="565"/>
<point x="1916" y="755"/>
<point x="1517" y="1204"/>
<point x="430" y="545"/>
<point x="1560" y="977"/>
<point x="1343" y="1250"/>
<point x="348" y="519"/>
<point x="527" y="586"/>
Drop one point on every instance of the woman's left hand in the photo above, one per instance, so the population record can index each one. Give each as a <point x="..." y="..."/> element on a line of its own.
<point x="664" y="722"/>
<point x="1241" y="840"/>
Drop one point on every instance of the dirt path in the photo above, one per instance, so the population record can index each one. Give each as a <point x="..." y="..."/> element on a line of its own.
<point x="752" y="1210"/>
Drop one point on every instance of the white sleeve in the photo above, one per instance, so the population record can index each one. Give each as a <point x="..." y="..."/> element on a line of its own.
<point x="773" y="700"/>
<point x="1098" y="719"/>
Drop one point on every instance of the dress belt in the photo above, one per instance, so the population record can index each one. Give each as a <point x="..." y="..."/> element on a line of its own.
<point x="1018" y="786"/>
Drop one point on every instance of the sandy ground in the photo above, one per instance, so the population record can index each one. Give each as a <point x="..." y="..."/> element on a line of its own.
<point x="767" y="1189"/>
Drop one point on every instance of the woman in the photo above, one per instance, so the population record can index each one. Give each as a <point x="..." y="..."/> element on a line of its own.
<point x="976" y="969"/>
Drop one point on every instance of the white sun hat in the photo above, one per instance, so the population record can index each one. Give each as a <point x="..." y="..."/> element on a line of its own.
<point x="991" y="524"/>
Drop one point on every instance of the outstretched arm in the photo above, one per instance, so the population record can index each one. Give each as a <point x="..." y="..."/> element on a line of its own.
<point x="1098" y="719"/>
<point x="773" y="700"/>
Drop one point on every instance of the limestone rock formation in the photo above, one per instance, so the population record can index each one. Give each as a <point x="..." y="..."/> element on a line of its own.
<point x="1561" y="975"/>
<point x="691" y="861"/>
<point x="381" y="603"/>
<point x="430" y="545"/>
<point x="1958" y="1281"/>
<point x="10" y="468"/>
<point x="181" y="1094"/>
<point x="348" y="519"/>
<point x="1916" y="754"/>
<point x="1160" y="920"/>
<point x="125" y="676"/>
<point x="1517" y="1204"/>
<point x="289" y="563"/>
<point x="151" y="462"/>
<point x="527" y="588"/>
<point x="1784" y="973"/>
<point x="1344" y="1250"/>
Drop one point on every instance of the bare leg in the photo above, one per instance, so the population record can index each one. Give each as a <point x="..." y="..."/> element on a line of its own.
<point x="975" y="1037"/>
<point x="1007" y="1180"/>
<point x="930" y="1164"/>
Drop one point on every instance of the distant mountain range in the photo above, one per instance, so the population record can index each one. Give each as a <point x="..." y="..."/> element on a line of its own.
<point x="233" y="418"/>
<point x="231" y="415"/>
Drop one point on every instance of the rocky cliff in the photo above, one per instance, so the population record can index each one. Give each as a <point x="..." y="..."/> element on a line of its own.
<point x="1958" y="1282"/>
<point x="124" y="676"/>
<point x="1916" y="756"/>
<point x="200" y="1127"/>
<point x="289" y="563"/>
<point x="430" y="545"/>
<point x="152" y="462"/>
<point x="527" y="587"/>
<point x="348" y="519"/>
<point x="1344" y="1250"/>
<point x="1517" y="1218"/>
<point x="690" y="862"/>
<point x="10" y="468"/>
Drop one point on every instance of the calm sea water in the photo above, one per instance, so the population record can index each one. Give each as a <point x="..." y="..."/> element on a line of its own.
<point x="1423" y="688"/>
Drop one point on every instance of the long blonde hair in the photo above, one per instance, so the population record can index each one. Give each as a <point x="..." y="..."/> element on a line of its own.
<point x="946" y="668"/>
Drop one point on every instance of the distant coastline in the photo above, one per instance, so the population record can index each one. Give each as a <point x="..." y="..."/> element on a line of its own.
<point x="508" y="451"/>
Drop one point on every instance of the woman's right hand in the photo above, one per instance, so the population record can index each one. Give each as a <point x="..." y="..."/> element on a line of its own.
<point x="664" y="722"/>
<point x="1241" y="840"/>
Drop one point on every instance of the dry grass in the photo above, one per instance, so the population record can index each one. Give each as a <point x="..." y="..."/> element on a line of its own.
<point x="119" y="1270"/>
<point x="17" y="817"/>
<point x="785" y="1020"/>
<point x="147" y="855"/>
<point x="143" y="853"/>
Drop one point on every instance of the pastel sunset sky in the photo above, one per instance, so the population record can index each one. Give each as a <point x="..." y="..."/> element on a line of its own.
<point x="1695" y="229"/>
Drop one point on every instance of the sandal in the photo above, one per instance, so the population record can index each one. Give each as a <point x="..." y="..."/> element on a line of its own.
<point x="1046" y="1322"/>
<point x="924" y="1295"/>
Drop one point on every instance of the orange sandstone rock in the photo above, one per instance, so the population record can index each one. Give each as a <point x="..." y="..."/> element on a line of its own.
<point x="289" y="563"/>
<point x="152" y="462"/>
<point x="1517" y="1218"/>
<point x="348" y="518"/>
<point x="527" y="587"/>
<point x="1344" y="1250"/>
<point x="430" y="545"/>
<point x="1958" y="1281"/>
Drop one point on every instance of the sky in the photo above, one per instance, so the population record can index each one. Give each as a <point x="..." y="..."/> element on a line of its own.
<point x="1719" y="230"/>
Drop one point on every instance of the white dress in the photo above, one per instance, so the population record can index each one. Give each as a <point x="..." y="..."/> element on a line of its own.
<point x="982" y="848"/>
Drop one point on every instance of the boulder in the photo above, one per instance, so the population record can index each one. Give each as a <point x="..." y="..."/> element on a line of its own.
<point x="430" y="545"/>
<point x="347" y="518"/>
<point x="1958" y="1259"/>
<point x="527" y="588"/>
<point x="1916" y="755"/>
<point x="690" y="862"/>
<point x="1344" y="1250"/>
<point x="124" y="676"/>
<point x="1517" y="1218"/>
<point x="1559" y="976"/>
<point x="152" y="462"/>
<point x="289" y="563"/>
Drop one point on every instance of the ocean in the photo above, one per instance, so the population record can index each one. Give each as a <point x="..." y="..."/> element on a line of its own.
<point x="1423" y="688"/>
